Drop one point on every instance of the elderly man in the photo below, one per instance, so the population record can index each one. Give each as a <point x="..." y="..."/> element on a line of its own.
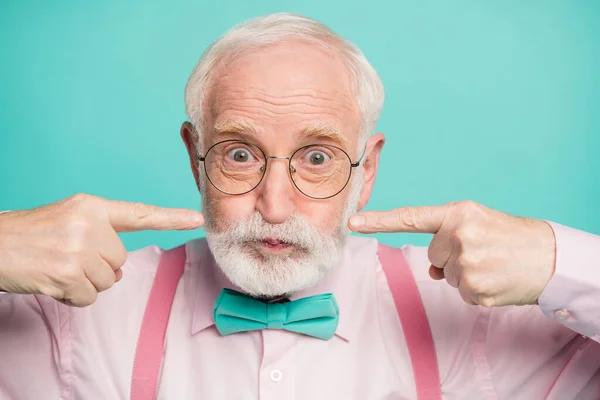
<point x="278" y="302"/>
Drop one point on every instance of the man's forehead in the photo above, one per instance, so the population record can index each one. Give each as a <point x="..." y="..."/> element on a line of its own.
<point x="284" y="75"/>
<point x="298" y="93"/>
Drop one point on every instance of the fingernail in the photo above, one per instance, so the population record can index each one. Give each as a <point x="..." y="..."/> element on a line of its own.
<point x="357" y="221"/>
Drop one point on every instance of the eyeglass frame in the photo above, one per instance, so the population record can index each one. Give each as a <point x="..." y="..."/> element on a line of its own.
<point x="266" y="158"/>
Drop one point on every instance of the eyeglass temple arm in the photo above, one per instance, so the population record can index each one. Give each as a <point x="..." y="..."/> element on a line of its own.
<point x="356" y="164"/>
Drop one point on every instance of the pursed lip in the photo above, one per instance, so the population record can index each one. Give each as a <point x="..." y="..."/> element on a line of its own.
<point x="274" y="245"/>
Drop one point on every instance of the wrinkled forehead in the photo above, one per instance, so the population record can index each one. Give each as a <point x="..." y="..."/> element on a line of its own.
<point x="286" y="94"/>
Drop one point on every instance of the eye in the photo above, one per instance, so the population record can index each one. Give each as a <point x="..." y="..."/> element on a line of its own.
<point x="316" y="157"/>
<point x="241" y="155"/>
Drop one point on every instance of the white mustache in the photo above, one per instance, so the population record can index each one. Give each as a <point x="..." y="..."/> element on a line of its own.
<point x="295" y="231"/>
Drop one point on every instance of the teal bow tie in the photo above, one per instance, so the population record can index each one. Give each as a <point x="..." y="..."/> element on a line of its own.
<point x="314" y="316"/>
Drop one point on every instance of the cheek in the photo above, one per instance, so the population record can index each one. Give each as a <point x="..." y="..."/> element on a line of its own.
<point x="324" y="214"/>
<point x="224" y="210"/>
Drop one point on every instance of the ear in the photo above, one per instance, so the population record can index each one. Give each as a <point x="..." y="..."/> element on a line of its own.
<point x="189" y="136"/>
<point x="370" y="164"/>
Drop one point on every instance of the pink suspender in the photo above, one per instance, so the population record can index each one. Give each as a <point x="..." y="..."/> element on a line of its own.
<point x="414" y="322"/>
<point x="150" y="346"/>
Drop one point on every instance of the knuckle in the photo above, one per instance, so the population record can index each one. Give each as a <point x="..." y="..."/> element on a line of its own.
<point x="53" y="291"/>
<point x="467" y="205"/>
<point x="466" y="235"/>
<point x="93" y="296"/>
<point x="468" y="282"/>
<point x="78" y="225"/>
<point x="101" y="275"/>
<point x="80" y="199"/>
<point x="79" y="298"/>
<point x="71" y="274"/>
<point x="487" y="301"/>
<point x="103" y="280"/>
<point x="83" y="206"/>
<point x="465" y="260"/>
<point x="141" y="211"/>
<point x="75" y="244"/>
<point x="121" y="258"/>
<point x="466" y="296"/>
<point x="471" y="210"/>
<point x="88" y="299"/>
<point x="105" y="284"/>
<point x="108" y="280"/>
<point x="473" y="285"/>
<point x="409" y="217"/>
<point x="471" y="260"/>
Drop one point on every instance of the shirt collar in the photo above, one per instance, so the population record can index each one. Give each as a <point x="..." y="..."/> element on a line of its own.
<point x="210" y="280"/>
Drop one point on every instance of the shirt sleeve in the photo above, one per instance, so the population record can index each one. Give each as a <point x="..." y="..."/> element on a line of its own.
<point x="572" y="296"/>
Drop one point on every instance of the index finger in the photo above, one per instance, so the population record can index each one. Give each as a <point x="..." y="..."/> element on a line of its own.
<point x="128" y="217"/>
<point x="427" y="219"/>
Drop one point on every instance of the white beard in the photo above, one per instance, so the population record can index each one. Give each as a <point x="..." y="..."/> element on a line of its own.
<point x="268" y="275"/>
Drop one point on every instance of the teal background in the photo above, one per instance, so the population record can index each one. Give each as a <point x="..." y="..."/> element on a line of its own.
<point x="495" y="101"/>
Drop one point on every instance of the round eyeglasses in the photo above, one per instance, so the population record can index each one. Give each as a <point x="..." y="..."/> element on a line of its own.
<point x="319" y="171"/>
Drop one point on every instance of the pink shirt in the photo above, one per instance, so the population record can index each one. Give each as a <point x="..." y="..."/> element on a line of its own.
<point x="51" y="351"/>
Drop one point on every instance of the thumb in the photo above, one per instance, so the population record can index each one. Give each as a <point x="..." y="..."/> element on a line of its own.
<point x="436" y="273"/>
<point x="128" y="217"/>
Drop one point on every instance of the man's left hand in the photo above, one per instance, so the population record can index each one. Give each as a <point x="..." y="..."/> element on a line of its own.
<point x="494" y="259"/>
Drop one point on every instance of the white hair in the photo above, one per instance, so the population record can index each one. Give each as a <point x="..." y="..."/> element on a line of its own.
<point x="275" y="28"/>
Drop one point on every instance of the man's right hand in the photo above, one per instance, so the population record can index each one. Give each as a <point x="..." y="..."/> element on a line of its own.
<point x="70" y="250"/>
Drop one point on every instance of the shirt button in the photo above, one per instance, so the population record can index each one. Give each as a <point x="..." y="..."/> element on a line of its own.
<point x="276" y="375"/>
<point x="562" y="314"/>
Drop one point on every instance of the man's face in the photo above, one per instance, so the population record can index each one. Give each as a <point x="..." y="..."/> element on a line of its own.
<point x="274" y="239"/>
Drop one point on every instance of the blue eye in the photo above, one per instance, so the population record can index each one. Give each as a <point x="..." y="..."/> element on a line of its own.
<point x="316" y="157"/>
<point x="240" y="155"/>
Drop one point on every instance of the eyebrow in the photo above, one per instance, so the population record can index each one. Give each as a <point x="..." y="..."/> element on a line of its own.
<point x="241" y="127"/>
<point x="314" y="130"/>
<point x="323" y="130"/>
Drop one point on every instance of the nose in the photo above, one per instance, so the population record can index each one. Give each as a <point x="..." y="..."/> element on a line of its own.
<point x="276" y="194"/>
